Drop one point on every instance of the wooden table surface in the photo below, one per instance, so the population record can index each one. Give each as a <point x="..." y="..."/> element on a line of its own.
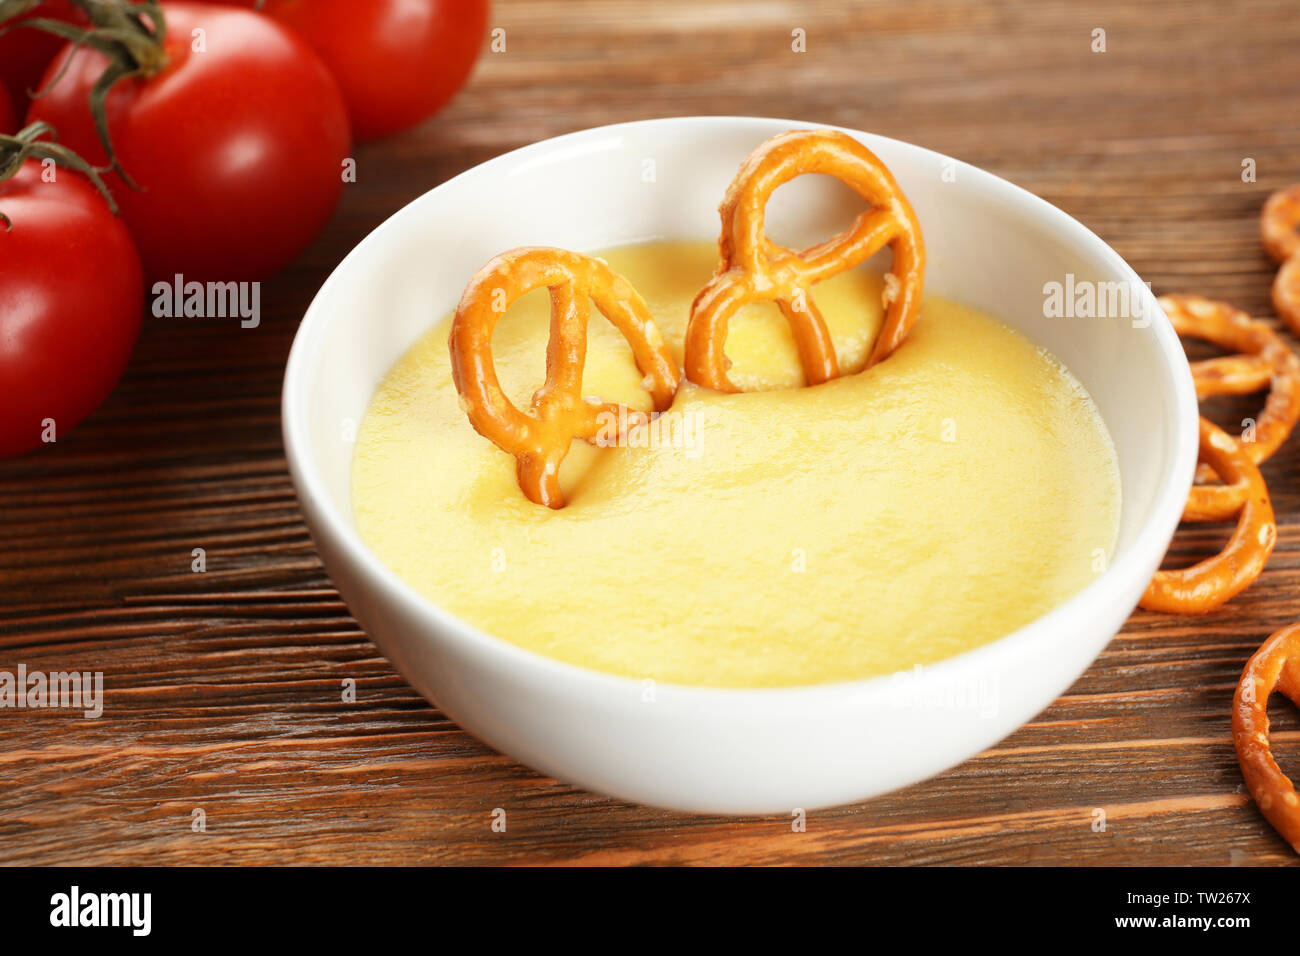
<point x="223" y="687"/>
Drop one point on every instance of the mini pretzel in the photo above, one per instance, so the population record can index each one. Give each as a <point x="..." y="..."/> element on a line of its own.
<point x="1279" y="224"/>
<point x="1286" y="293"/>
<point x="1276" y="665"/>
<point x="1214" y="581"/>
<point x="540" y="439"/>
<point x="1265" y="360"/>
<point x="755" y="269"/>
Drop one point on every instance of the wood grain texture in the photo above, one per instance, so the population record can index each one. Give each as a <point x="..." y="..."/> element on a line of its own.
<point x="223" y="688"/>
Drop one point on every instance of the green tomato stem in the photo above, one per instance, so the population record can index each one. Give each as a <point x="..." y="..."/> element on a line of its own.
<point x="131" y="35"/>
<point x="27" y="144"/>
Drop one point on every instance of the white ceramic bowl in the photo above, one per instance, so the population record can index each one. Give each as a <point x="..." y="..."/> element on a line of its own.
<point x="990" y="244"/>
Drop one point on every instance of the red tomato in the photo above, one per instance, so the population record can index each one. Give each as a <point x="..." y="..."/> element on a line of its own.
<point x="397" y="61"/>
<point x="24" y="54"/>
<point x="71" y="297"/>
<point x="238" y="146"/>
<point x="6" y="114"/>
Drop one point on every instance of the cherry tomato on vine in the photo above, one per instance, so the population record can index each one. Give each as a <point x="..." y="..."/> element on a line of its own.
<point x="397" y="61"/>
<point x="71" y="297"/>
<point x="6" y="113"/>
<point x="25" y="53"/>
<point x="236" y="134"/>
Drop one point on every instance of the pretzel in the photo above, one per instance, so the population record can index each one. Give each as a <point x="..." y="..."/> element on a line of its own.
<point x="1286" y="293"/>
<point x="540" y="439"/>
<point x="755" y="269"/>
<point x="1275" y="666"/>
<point x="1265" y="360"/>
<point x="1279" y="224"/>
<point x="1214" y="581"/>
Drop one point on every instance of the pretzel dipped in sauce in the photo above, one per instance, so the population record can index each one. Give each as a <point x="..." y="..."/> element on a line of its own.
<point x="755" y="269"/>
<point x="1214" y="581"/>
<point x="1275" y="666"/>
<point x="540" y="438"/>
<point x="1263" y="361"/>
<point x="1279" y="224"/>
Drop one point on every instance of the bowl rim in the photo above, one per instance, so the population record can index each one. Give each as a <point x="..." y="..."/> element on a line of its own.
<point x="1146" y="549"/>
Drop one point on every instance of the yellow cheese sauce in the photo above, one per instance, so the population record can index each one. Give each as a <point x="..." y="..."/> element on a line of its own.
<point x="887" y="519"/>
